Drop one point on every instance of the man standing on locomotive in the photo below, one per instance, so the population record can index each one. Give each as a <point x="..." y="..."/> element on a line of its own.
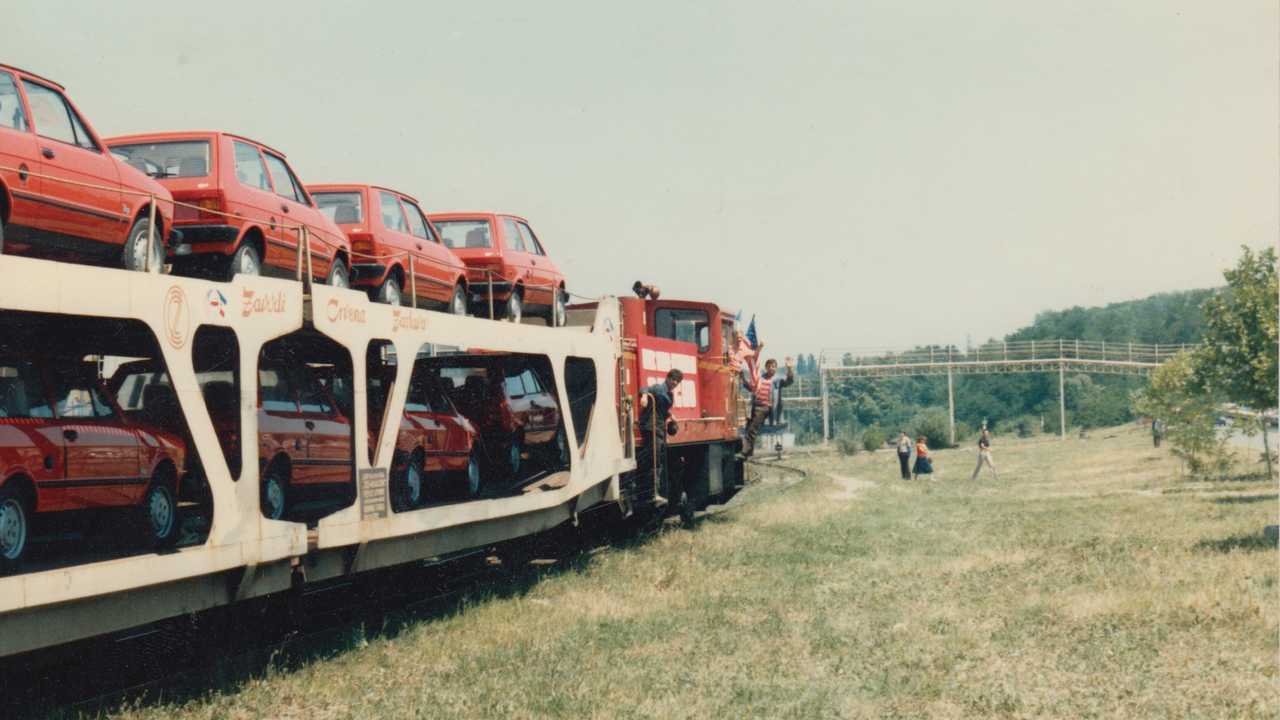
<point x="655" y="424"/>
<point x="766" y="400"/>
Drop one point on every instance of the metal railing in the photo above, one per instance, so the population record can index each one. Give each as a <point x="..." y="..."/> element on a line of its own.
<point x="1013" y="351"/>
<point x="305" y="233"/>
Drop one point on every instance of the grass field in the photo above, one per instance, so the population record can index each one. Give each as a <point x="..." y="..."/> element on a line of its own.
<point x="1089" y="581"/>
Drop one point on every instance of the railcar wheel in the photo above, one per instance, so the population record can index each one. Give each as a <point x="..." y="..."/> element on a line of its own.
<point x="244" y="261"/>
<point x="15" y="526"/>
<point x="338" y="275"/>
<point x="135" y="249"/>
<point x="275" y="493"/>
<point x="390" y="293"/>
<point x="158" y="514"/>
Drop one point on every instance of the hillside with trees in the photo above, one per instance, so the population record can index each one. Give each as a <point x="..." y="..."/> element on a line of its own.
<point x="1023" y="404"/>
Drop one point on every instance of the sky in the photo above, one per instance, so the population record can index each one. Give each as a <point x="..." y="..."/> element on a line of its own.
<point x="853" y="174"/>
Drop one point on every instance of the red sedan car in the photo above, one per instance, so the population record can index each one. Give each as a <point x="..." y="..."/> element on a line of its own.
<point x="66" y="445"/>
<point x="503" y="248"/>
<point x="248" y="201"/>
<point x="98" y="217"/>
<point x="385" y="227"/>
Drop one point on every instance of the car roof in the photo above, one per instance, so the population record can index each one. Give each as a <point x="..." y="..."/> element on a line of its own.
<point x="486" y="214"/>
<point x="28" y="73"/>
<point x="336" y="187"/>
<point x="179" y="134"/>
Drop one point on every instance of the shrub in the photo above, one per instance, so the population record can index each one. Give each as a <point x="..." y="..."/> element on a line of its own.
<point x="1024" y="425"/>
<point x="848" y="444"/>
<point x="934" y="425"/>
<point x="872" y="438"/>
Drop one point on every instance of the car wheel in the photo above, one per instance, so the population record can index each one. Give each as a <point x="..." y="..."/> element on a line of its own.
<point x="275" y="493"/>
<point x="338" y="275"/>
<point x="559" y="316"/>
<point x="514" y="453"/>
<point x="562" y="449"/>
<point x="389" y="293"/>
<point x="244" y="261"/>
<point x="14" y="528"/>
<point x="135" y="249"/>
<point x="514" y="311"/>
<point x="158" y="514"/>
<point x="458" y="306"/>
<point x="472" y="477"/>
<point x="408" y="486"/>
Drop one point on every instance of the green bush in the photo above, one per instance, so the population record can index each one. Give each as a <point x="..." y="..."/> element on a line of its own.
<point x="964" y="431"/>
<point x="848" y="444"/>
<point x="933" y="425"/>
<point x="872" y="438"/>
<point x="1024" y="426"/>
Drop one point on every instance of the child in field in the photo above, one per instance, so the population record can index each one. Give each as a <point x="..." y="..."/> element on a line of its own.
<point x="924" y="466"/>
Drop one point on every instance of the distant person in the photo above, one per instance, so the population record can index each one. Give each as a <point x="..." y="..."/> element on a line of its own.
<point x="984" y="455"/>
<point x="1157" y="432"/>
<point x="655" y="424"/>
<point x="766" y="400"/>
<point x="904" y="454"/>
<point x="924" y="466"/>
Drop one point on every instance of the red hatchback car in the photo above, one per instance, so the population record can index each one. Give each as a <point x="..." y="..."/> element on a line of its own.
<point x="66" y="445"/>
<point x="514" y="410"/>
<point x="100" y="219"/>
<point x="384" y="225"/>
<point x="503" y="248"/>
<point x="248" y="204"/>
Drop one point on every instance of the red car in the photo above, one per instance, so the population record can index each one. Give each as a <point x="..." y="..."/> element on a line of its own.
<point x="383" y="225"/>
<point x="249" y="203"/>
<point x="503" y="248"/>
<point x="91" y="219"/>
<point x="66" y="445"/>
<point x="510" y="405"/>
<point x="435" y="446"/>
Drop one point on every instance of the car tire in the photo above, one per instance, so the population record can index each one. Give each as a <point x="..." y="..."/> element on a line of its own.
<point x="559" y="315"/>
<point x="562" y="449"/>
<point x="408" y="488"/>
<point x="514" y="458"/>
<point x="389" y="293"/>
<point x="135" y="249"/>
<point x="244" y="261"/>
<point x="158" y="513"/>
<point x="275" y="493"/>
<point x="15" y="528"/>
<point x="458" y="305"/>
<point x="514" y="310"/>
<point x="338" y="276"/>
<point x="472" y="478"/>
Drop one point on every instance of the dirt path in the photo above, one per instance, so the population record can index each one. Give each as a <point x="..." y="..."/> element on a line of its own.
<point x="848" y="488"/>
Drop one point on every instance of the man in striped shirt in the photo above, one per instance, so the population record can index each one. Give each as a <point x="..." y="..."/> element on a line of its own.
<point x="766" y="400"/>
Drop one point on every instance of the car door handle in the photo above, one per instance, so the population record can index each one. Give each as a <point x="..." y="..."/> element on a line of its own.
<point x="419" y="246"/>
<point x="47" y="152"/>
<point x="310" y="425"/>
<point x="71" y="435"/>
<point x="284" y="208"/>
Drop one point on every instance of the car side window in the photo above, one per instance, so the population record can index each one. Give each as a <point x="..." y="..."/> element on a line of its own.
<point x="530" y="240"/>
<point x="277" y="395"/>
<point x="392" y="213"/>
<point x="12" y="114"/>
<point x="514" y="386"/>
<point x="249" y="169"/>
<point x="417" y="224"/>
<point x="512" y="233"/>
<point x="312" y="396"/>
<point x="280" y="177"/>
<point x="52" y="116"/>
<point x="101" y="408"/>
<point x="531" y="385"/>
<point x="22" y="393"/>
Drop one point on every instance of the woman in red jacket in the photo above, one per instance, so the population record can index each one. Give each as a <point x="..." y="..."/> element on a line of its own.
<point x="924" y="466"/>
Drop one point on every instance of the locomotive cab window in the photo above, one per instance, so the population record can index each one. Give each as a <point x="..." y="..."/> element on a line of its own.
<point x="689" y="326"/>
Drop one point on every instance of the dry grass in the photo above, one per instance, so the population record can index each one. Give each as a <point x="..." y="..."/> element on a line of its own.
<point x="1090" y="581"/>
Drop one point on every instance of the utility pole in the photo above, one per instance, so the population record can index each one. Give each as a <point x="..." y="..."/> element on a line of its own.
<point x="1062" y="399"/>
<point x="826" y="403"/>
<point x="951" y="404"/>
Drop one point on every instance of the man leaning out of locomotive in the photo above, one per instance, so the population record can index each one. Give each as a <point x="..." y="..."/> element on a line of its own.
<point x="766" y="400"/>
<point x="663" y="398"/>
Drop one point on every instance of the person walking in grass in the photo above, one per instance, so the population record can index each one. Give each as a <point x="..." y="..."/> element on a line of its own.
<point x="904" y="454"/>
<point x="924" y="466"/>
<point x="984" y="455"/>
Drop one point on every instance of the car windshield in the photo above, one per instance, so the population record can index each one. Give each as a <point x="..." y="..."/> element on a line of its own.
<point x="460" y="234"/>
<point x="343" y="208"/>
<point x="182" y="159"/>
